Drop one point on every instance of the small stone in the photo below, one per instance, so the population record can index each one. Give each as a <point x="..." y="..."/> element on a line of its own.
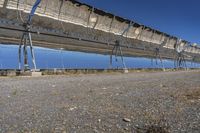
<point x="96" y="131"/>
<point x="72" y="108"/>
<point x="126" y="128"/>
<point x="64" y="122"/>
<point x="163" y="86"/>
<point x="192" y="101"/>
<point x="127" y="120"/>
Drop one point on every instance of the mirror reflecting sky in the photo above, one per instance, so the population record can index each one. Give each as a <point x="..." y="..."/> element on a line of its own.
<point x="49" y="59"/>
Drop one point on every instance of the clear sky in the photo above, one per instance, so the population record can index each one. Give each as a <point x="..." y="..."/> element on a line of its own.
<point x="180" y="18"/>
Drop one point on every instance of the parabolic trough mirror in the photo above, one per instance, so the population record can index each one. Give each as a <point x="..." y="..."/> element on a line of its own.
<point x="58" y="58"/>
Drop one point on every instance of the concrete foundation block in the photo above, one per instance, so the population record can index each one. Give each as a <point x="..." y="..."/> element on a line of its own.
<point x="126" y="71"/>
<point x="36" y="74"/>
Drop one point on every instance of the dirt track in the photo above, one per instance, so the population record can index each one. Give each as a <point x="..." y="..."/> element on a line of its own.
<point x="134" y="102"/>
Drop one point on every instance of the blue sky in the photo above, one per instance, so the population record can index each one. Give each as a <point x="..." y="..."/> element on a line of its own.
<point x="180" y="18"/>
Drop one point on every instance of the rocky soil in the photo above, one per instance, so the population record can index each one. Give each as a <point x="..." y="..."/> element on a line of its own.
<point x="145" y="102"/>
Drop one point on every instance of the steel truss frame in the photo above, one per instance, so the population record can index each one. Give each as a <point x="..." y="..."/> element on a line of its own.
<point x="179" y="59"/>
<point x="157" y="51"/>
<point x="117" y="51"/>
<point x="26" y="41"/>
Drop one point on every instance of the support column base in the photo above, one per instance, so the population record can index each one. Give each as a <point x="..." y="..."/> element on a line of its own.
<point x="36" y="74"/>
<point x="125" y="70"/>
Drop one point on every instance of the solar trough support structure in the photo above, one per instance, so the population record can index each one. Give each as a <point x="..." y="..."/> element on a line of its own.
<point x="27" y="40"/>
<point x="179" y="61"/>
<point x="117" y="50"/>
<point x="157" y="52"/>
<point x="75" y="26"/>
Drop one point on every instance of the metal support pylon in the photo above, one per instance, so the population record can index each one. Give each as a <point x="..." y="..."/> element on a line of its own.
<point x="157" y="52"/>
<point x="180" y="60"/>
<point x="116" y="51"/>
<point x="117" y="47"/>
<point x="26" y="41"/>
<point x="158" y="57"/>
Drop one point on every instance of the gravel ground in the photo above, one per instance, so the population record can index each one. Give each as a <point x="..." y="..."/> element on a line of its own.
<point x="136" y="102"/>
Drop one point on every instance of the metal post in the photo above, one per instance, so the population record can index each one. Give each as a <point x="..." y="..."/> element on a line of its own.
<point x="5" y="4"/>
<point x="109" y="31"/>
<point x="111" y="57"/>
<point x="32" y="51"/>
<point x="19" y="51"/>
<point x="140" y="34"/>
<point x="25" y="54"/>
<point x="124" y="65"/>
<point x="62" y="62"/>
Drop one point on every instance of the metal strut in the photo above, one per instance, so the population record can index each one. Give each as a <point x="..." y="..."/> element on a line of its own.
<point x="126" y="32"/>
<point x="90" y="29"/>
<point x="59" y="14"/>
<point x="27" y="40"/>
<point x="109" y="31"/>
<point x="116" y="51"/>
